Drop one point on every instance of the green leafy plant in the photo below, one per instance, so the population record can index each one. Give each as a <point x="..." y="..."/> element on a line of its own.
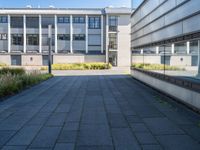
<point x="13" y="81"/>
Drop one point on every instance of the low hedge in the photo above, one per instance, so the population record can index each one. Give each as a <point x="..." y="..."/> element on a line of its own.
<point x="156" y="67"/>
<point x="14" y="83"/>
<point x="12" y="71"/>
<point x="80" y="66"/>
<point x="2" y="65"/>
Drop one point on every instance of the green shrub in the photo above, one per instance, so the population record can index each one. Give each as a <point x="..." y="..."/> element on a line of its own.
<point x="12" y="71"/>
<point x="155" y="67"/>
<point x="14" y="83"/>
<point x="80" y="66"/>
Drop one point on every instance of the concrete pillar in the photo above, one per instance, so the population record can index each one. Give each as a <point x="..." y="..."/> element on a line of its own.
<point x="71" y="33"/>
<point x="173" y="49"/>
<point x="102" y="34"/>
<point x="9" y="35"/>
<point x="24" y="27"/>
<point x="40" y="34"/>
<point x="188" y="47"/>
<point x="56" y="32"/>
<point x="107" y="38"/>
<point x="86" y="34"/>
<point x="157" y="49"/>
<point x="142" y="51"/>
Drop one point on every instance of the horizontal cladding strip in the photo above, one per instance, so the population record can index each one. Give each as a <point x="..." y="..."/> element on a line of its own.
<point x="180" y="20"/>
<point x="159" y="16"/>
<point x="148" y="13"/>
<point x="49" y="12"/>
<point x="185" y="37"/>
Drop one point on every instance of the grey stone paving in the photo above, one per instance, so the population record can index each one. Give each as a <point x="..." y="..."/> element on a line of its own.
<point x="96" y="112"/>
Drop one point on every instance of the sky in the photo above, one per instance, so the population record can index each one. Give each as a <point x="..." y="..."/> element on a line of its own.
<point x="67" y="3"/>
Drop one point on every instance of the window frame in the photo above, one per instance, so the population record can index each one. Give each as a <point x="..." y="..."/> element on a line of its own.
<point x="18" y="37"/>
<point x="94" y="22"/>
<point x="63" y="20"/>
<point x="80" y="20"/>
<point x="32" y="36"/>
<point x="79" y="37"/>
<point x="63" y="37"/>
<point x="3" y="19"/>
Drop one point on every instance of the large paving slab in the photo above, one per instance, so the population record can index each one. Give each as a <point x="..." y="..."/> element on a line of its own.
<point x="96" y="111"/>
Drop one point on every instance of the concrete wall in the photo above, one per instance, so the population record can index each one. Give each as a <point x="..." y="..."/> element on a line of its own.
<point x="146" y="59"/>
<point x="31" y="60"/>
<point x="186" y="96"/>
<point x="59" y="59"/>
<point x="124" y="41"/>
<point x="5" y="58"/>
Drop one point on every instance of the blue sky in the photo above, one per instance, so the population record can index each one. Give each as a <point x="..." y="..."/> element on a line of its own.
<point x="68" y="3"/>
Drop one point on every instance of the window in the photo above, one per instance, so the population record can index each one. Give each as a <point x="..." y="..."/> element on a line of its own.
<point x="32" y="22"/>
<point x="180" y="48"/>
<point x="78" y="19"/>
<point x="3" y="36"/>
<point x="16" y="60"/>
<point x="17" y="39"/>
<point x="79" y="37"/>
<point x="46" y="21"/>
<point x="63" y="20"/>
<point x="113" y="22"/>
<point x="94" y="22"/>
<point x="194" y="47"/>
<point x="65" y="37"/>
<point x="16" y="22"/>
<point x="32" y="39"/>
<point x="3" y="19"/>
<point x="112" y="41"/>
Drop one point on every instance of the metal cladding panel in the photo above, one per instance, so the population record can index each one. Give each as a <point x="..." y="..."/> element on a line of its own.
<point x="149" y="6"/>
<point x="32" y="31"/>
<point x="79" y="28"/>
<point x="3" y="27"/>
<point x="63" y="45"/>
<point x="3" y="45"/>
<point x="182" y="17"/>
<point x="191" y="24"/>
<point x="168" y="32"/>
<point x="94" y="39"/>
<point x="78" y="45"/>
<point x="183" y="11"/>
<point x="16" y="48"/>
<point x="94" y="48"/>
<point x="17" y="30"/>
<point x="94" y="31"/>
<point x="163" y="9"/>
<point x="32" y="48"/>
<point x="63" y="28"/>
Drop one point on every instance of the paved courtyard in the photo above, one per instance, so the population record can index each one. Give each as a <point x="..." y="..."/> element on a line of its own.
<point x="99" y="112"/>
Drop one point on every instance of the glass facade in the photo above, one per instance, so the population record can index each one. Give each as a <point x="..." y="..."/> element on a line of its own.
<point x="94" y="23"/>
<point x="32" y="39"/>
<point x="79" y="37"/>
<point x="78" y="19"/>
<point x="17" y="39"/>
<point x="113" y="23"/>
<point x="16" y="22"/>
<point x="3" y="19"/>
<point x="113" y="41"/>
<point x="64" y="37"/>
<point x="63" y="19"/>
